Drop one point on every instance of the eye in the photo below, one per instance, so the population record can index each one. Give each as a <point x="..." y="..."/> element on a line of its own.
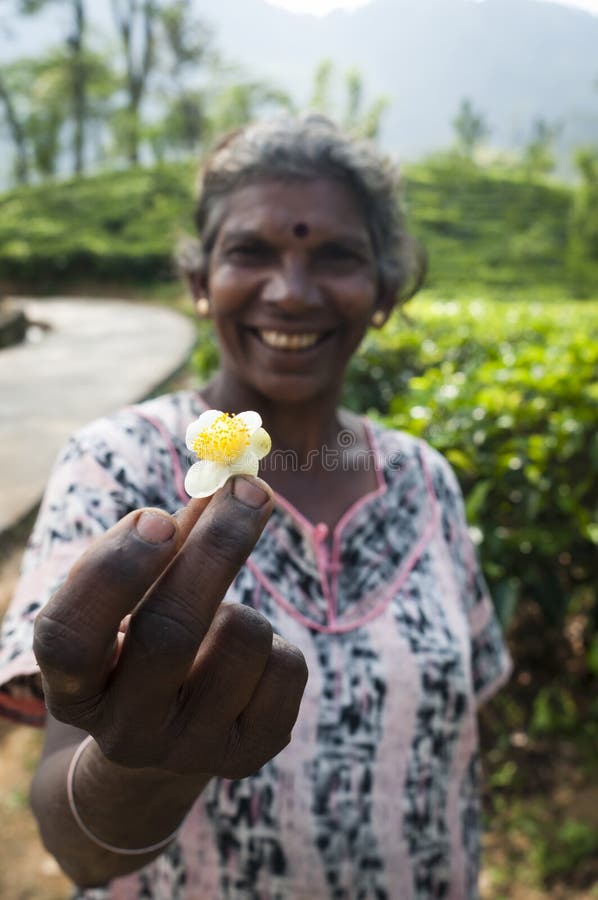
<point x="338" y="255"/>
<point x="248" y="252"/>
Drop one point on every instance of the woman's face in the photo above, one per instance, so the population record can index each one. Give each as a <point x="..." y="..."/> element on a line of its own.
<point x="292" y="284"/>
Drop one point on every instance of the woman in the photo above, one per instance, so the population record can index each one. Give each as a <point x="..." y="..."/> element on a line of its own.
<point x="364" y="573"/>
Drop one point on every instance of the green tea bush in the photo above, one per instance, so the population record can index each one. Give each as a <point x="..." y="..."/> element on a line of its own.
<point x="120" y="226"/>
<point x="509" y="393"/>
<point x="479" y="227"/>
<point x="486" y="227"/>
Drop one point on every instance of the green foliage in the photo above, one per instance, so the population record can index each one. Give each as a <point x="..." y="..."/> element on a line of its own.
<point x="538" y="156"/>
<point x="574" y="842"/>
<point x="488" y="228"/>
<point x="583" y="243"/>
<point x="347" y="105"/>
<point x="238" y="100"/>
<point x="36" y="96"/>
<point x="119" y="226"/>
<point x="478" y="227"/>
<point x="542" y="849"/>
<point x="205" y="357"/>
<point x="507" y="391"/>
<point x="554" y="711"/>
<point x="470" y="128"/>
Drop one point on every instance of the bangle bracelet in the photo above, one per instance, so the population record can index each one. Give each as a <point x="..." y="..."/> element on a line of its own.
<point x="70" y="780"/>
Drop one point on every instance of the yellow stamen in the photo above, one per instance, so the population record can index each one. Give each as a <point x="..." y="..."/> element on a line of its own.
<point x="224" y="441"/>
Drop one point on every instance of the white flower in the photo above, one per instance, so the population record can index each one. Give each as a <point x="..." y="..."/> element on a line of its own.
<point x="225" y="445"/>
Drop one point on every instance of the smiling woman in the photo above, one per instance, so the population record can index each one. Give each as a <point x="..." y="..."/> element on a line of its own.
<point x="187" y="755"/>
<point x="318" y="293"/>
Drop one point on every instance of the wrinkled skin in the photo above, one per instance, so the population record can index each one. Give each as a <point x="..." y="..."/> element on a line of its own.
<point x="195" y="686"/>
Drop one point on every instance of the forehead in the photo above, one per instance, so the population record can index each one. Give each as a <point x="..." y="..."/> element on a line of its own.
<point x="324" y="205"/>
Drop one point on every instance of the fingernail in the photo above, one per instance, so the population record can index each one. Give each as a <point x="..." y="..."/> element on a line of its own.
<point x="155" y="527"/>
<point x="249" y="492"/>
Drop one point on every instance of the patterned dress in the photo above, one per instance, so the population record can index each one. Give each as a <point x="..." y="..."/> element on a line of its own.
<point x="377" y="794"/>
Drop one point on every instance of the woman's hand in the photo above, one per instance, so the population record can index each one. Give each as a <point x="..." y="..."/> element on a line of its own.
<point x="195" y="686"/>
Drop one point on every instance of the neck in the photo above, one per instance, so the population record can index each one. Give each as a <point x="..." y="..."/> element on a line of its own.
<point x="303" y="427"/>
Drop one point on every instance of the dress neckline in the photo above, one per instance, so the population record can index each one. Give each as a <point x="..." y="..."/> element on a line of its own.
<point x="320" y="531"/>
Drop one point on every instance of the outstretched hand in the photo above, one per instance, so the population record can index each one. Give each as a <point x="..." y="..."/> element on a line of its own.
<point x="194" y="686"/>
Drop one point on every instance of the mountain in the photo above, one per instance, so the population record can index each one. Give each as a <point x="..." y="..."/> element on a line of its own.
<point x="516" y="60"/>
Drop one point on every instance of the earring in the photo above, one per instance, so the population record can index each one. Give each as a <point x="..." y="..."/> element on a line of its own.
<point x="203" y="307"/>
<point x="378" y="318"/>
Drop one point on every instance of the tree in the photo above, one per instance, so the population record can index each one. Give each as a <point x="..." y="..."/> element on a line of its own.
<point x="12" y="117"/>
<point x="538" y="155"/>
<point x="16" y="127"/>
<point x="470" y="128"/>
<point x="164" y="46"/>
<point x="38" y="109"/>
<point x="136" y="24"/>
<point x="583" y="242"/>
<point x="184" y="51"/>
<point x="44" y="79"/>
<point x="187" y="40"/>
<point x="352" y="112"/>
<point x="75" y="63"/>
<point x="320" y="99"/>
<point x="241" y="100"/>
<point x="358" y="120"/>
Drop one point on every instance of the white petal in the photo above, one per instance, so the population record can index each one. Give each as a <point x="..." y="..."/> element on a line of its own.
<point x="260" y="443"/>
<point x="204" y="478"/>
<point x="251" y="419"/>
<point x="204" y="421"/>
<point x="247" y="465"/>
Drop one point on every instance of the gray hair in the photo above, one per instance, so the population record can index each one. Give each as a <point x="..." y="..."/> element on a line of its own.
<point x="304" y="149"/>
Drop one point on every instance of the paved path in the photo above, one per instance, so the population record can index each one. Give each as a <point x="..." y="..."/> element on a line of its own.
<point x="98" y="355"/>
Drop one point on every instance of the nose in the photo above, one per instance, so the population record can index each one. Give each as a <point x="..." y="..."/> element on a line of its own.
<point x="290" y="287"/>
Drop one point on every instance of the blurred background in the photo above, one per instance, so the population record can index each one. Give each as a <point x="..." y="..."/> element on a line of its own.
<point x="491" y="109"/>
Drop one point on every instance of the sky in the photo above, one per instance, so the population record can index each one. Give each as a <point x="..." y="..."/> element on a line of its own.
<point x="322" y="7"/>
<point x="317" y="7"/>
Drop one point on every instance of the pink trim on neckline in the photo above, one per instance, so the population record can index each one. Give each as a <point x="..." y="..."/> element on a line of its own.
<point x="372" y="494"/>
<point x="340" y="627"/>
<point x="326" y="563"/>
<point x="179" y="479"/>
<point x="329" y="565"/>
<point x="378" y="491"/>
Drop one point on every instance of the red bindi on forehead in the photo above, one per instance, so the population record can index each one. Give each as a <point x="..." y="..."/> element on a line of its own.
<point x="300" y="230"/>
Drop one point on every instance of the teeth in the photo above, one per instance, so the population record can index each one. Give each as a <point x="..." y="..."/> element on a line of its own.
<point x="283" y="341"/>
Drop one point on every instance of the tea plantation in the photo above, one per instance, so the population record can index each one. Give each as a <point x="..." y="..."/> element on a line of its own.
<point x="495" y="363"/>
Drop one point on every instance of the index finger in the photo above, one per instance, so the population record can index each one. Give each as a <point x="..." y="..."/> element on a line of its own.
<point x="75" y="633"/>
<point x="165" y="632"/>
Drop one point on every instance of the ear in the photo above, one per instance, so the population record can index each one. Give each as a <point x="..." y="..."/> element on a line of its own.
<point x="387" y="298"/>
<point x="197" y="282"/>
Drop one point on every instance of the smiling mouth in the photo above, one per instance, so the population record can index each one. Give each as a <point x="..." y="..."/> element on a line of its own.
<point x="283" y="340"/>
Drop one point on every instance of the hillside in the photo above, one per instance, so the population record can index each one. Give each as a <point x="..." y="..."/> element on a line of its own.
<point x="516" y="59"/>
<point x="121" y="227"/>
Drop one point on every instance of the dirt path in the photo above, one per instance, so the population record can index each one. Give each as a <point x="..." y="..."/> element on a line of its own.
<point x="27" y="872"/>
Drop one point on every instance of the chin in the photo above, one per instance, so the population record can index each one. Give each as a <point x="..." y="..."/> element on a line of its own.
<point x="294" y="389"/>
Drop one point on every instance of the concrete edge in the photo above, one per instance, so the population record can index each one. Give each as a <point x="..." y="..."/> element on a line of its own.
<point x="19" y="531"/>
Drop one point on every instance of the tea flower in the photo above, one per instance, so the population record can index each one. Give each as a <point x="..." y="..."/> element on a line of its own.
<point x="225" y="445"/>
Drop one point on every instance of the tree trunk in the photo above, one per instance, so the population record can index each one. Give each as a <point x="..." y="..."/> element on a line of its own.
<point x="79" y="85"/>
<point x="137" y="73"/>
<point x="17" y="134"/>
